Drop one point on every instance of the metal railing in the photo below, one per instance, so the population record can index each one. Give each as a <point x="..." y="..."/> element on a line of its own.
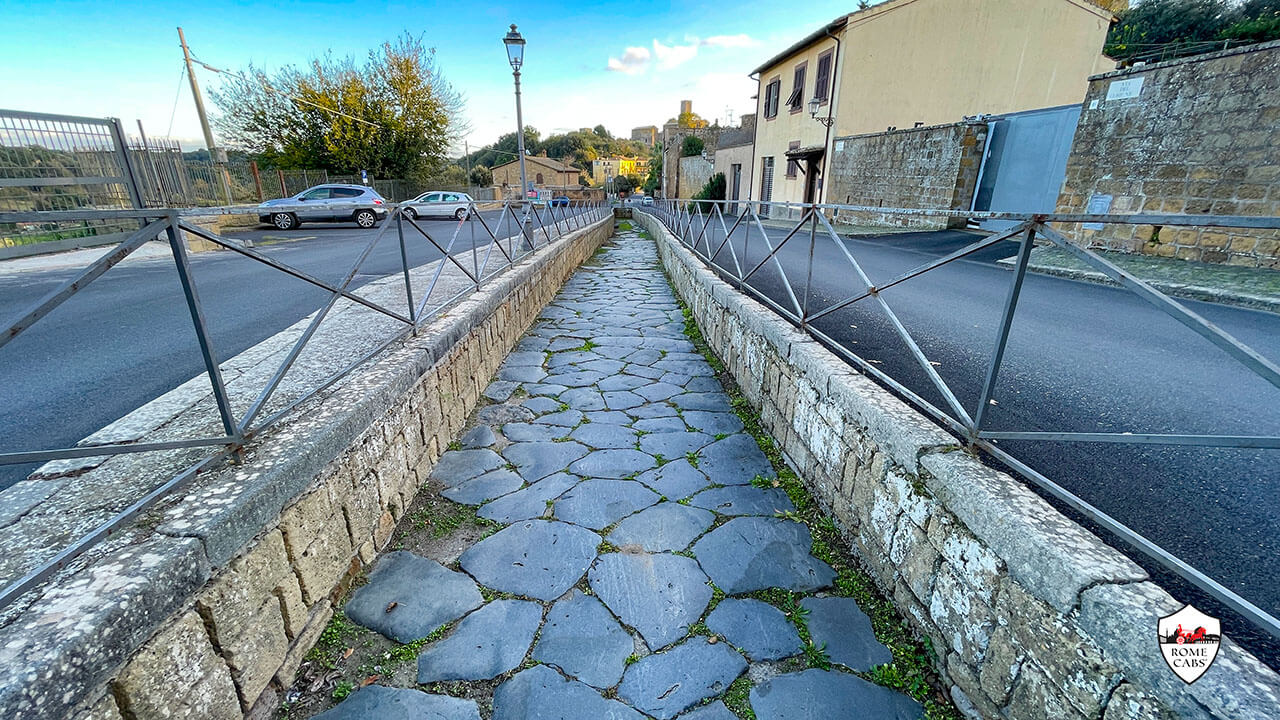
<point x="714" y="236"/>
<point x="519" y="230"/>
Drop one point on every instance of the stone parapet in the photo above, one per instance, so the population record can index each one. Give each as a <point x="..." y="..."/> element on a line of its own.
<point x="1030" y="615"/>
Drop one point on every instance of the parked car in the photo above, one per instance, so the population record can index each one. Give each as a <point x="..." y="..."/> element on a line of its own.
<point x="648" y="200"/>
<point x="436" y="203"/>
<point x="326" y="203"/>
<point x="560" y="201"/>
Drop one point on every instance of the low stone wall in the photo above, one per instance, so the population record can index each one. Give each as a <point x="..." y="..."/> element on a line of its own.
<point x="1195" y="135"/>
<point x="206" y="608"/>
<point x="933" y="168"/>
<point x="1031" y="616"/>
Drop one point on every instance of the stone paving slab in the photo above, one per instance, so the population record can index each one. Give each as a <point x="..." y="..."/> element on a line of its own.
<point x="606" y="421"/>
<point x="408" y="596"/>
<point x="387" y="703"/>
<point x="487" y="643"/>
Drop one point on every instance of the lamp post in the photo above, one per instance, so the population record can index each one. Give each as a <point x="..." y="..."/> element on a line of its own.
<point x="815" y="104"/>
<point x="515" y="54"/>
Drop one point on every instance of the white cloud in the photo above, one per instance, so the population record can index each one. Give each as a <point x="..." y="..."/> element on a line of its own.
<point x="672" y="56"/>
<point x="633" y="61"/>
<point x="740" y="40"/>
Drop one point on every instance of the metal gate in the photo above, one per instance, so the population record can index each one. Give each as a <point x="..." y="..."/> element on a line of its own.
<point x="1025" y="163"/>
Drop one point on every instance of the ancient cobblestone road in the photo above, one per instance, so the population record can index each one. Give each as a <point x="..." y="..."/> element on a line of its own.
<point x="635" y="533"/>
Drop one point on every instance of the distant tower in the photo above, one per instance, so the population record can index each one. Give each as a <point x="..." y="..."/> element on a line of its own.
<point x="686" y="106"/>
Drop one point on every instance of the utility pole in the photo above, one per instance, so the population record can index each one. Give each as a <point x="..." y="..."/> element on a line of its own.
<point x="219" y="160"/>
<point x="466" y="154"/>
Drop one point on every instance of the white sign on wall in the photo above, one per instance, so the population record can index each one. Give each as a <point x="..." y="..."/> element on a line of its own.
<point x="1099" y="204"/>
<point x="1125" y="89"/>
<point x="839" y="146"/>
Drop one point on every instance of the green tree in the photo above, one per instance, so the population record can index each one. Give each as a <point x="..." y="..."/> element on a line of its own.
<point x="394" y="114"/>
<point x="602" y="132"/>
<point x="653" y="180"/>
<point x="713" y="190"/>
<point x="690" y="120"/>
<point x="692" y="145"/>
<point x="1158" y="29"/>
<point x="482" y="176"/>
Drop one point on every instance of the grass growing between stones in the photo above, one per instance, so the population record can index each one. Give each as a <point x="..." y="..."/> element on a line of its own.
<point x="912" y="670"/>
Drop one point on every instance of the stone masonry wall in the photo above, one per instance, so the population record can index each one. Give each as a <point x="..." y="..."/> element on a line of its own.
<point x="1030" y="615"/>
<point x="694" y="174"/>
<point x="1198" y="135"/>
<point x="933" y="168"/>
<point x="226" y="634"/>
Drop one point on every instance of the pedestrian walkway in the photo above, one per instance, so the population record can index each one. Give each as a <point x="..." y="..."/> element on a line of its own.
<point x="641" y="535"/>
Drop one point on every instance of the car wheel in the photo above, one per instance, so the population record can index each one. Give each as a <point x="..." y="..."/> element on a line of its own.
<point x="411" y="213"/>
<point x="366" y="219"/>
<point x="460" y="214"/>
<point x="284" y="221"/>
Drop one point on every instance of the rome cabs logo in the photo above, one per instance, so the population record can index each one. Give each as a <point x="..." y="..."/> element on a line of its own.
<point x="1189" y="641"/>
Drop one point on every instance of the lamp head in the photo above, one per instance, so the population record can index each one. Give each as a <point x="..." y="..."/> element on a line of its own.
<point x="515" y="48"/>
<point x="814" y="105"/>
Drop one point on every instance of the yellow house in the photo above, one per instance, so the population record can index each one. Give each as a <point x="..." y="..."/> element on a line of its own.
<point x="605" y="168"/>
<point x="908" y="62"/>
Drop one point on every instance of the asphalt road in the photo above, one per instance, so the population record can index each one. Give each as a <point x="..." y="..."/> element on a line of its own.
<point x="1081" y="357"/>
<point x="127" y="337"/>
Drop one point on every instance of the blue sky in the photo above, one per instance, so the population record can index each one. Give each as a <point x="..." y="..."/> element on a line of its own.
<point x="123" y="60"/>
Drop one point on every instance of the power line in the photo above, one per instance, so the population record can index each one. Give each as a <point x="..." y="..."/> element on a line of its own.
<point x="181" y="76"/>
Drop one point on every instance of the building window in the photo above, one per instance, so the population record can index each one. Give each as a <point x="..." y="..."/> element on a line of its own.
<point x="822" y="80"/>
<point x="795" y="100"/>
<point x="771" y="92"/>
<point x="538" y="179"/>
<point x="793" y="166"/>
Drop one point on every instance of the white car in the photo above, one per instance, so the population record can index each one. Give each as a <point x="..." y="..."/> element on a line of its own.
<point x="438" y="203"/>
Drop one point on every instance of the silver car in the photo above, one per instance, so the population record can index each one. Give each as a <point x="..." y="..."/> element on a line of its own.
<point x="326" y="203"/>
<point x="437" y="203"/>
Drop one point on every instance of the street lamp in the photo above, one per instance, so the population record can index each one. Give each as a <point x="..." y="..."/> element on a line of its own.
<point x="515" y="54"/>
<point x="814" y="106"/>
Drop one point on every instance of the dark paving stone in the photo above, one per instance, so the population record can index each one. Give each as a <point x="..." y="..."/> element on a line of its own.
<point x="658" y="391"/>
<point x="581" y="638"/>
<point x="530" y="432"/>
<point x="644" y="356"/>
<point x="530" y="374"/>
<point x="644" y="371"/>
<point x="735" y="460"/>
<point x="582" y="399"/>
<point x="675" y="444"/>
<point x="704" y="384"/>
<point x="544" y="389"/>
<point x="541" y="405"/>
<point x="498" y="415"/>
<point x="626" y="341"/>
<point x="577" y="378"/>
<point x="426" y="595"/>
<point x="620" y="383"/>
<point x="500" y="390"/>
<point x="685" y="367"/>
<point x="665" y="527"/>
<point x="661" y="425"/>
<point x="713" y="423"/>
<point x="708" y="401"/>
<point x="488" y="486"/>
<point x="743" y="500"/>
<point x="713" y="711"/>
<point x="607" y="417"/>
<point x="754" y="553"/>
<point x="384" y="703"/>
<point x="652" y="410"/>
<point x="532" y="343"/>
<point x="535" y="558"/>
<point x="536" y="460"/>
<point x="613" y="463"/>
<point x="665" y="684"/>
<point x="480" y="436"/>
<point x="528" y="503"/>
<point x="487" y="643"/>
<point x="605" y="436"/>
<point x="600" y="365"/>
<point x="661" y="596"/>
<point x="457" y="466"/>
<point x="568" y="418"/>
<point x="597" y="504"/>
<point x="675" y="378"/>
<point x="824" y="694"/>
<point x="757" y="628"/>
<point x="846" y="631"/>
<point x="541" y="693"/>
<point x="613" y="352"/>
<point x="622" y="400"/>
<point x="562" y="359"/>
<point x="675" y="481"/>
<point x="564" y="343"/>
<point x="524" y="358"/>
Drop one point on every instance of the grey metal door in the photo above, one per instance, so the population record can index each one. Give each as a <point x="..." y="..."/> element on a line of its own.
<point x="735" y="194"/>
<point x="766" y="185"/>
<point x="1025" y="163"/>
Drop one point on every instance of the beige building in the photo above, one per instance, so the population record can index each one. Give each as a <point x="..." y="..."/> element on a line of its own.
<point x="904" y="63"/>
<point x="647" y="135"/>
<point x="541" y="170"/>
<point x="606" y="168"/>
